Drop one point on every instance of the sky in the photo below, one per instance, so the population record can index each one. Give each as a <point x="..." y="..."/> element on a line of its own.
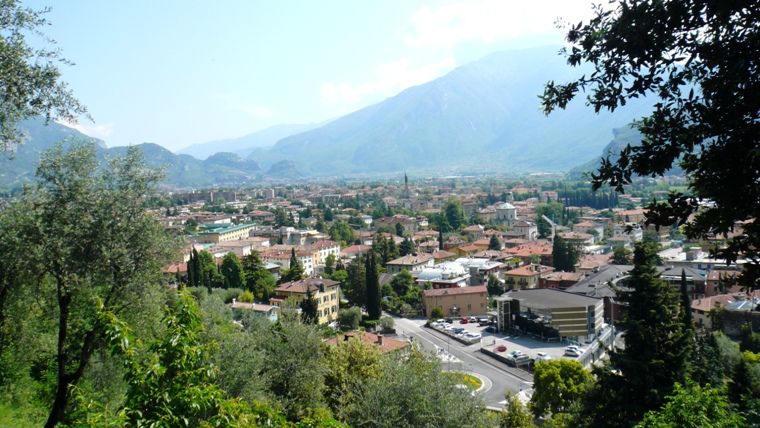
<point x="178" y="73"/>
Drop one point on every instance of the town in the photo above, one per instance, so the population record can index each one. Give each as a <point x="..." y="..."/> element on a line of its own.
<point x="532" y="271"/>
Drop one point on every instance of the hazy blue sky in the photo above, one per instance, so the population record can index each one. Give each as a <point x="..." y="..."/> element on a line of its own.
<point x="178" y="73"/>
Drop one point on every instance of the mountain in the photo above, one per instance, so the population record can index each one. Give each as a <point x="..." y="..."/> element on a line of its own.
<point x="245" y="145"/>
<point x="187" y="171"/>
<point x="622" y="137"/>
<point x="19" y="165"/>
<point x="485" y="113"/>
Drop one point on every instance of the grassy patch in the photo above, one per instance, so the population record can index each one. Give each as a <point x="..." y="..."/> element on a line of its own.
<point x="470" y="381"/>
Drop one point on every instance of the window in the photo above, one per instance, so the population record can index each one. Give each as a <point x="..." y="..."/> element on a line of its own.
<point x="481" y="305"/>
<point x="469" y="306"/>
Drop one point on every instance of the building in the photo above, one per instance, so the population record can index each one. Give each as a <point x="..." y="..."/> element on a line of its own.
<point x="550" y="313"/>
<point x="526" y="229"/>
<point x="324" y="291"/>
<point x="282" y="257"/>
<point x="506" y="214"/>
<point x="267" y="311"/>
<point x="525" y="276"/>
<point x="411" y="263"/>
<point x="386" y="344"/>
<point x="455" y="302"/>
<point x="214" y="233"/>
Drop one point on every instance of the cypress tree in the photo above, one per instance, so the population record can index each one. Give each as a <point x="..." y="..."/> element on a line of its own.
<point x="373" y="287"/>
<point x="191" y="278"/>
<point x="653" y="359"/>
<point x="197" y="269"/>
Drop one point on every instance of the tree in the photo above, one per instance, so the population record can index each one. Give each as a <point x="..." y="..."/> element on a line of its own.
<point x="494" y="286"/>
<point x="329" y="264"/>
<point x="208" y="268"/>
<point x="494" y="243"/>
<point x="744" y="389"/>
<point x="309" y="308"/>
<point x="565" y="254"/>
<point x="454" y="213"/>
<point x="515" y="415"/>
<point x="295" y="272"/>
<point x="401" y="282"/>
<point x="411" y="391"/>
<point x="351" y="363"/>
<point x="399" y="229"/>
<point x="655" y="355"/>
<point x="693" y="407"/>
<point x="91" y="238"/>
<point x="31" y="83"/>
<point x="174" y="385"/>
<point x="232" y="270"/>
<point x="534" y="259"/>
<point x="696" y="57"/>
<point x="191" y="226"/>
<point x="557" y="384"/>
<point x="621" y="256"/>
<point x="374" y="298"/>
<point x="258" y="280"/>
<point x="436" y="313"/>
<point x="406" y="247"/>
<point x="340" y="231"/>
<point x="355" y="284"/>
<point x="350" y="318"/>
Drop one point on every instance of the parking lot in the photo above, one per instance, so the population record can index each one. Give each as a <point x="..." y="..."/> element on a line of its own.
<point x="502" y="344"/>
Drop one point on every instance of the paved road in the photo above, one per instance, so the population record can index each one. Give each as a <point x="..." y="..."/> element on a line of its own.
<point x="498" y="378"/>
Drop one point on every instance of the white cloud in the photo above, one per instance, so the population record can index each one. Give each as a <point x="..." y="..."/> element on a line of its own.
<point x="391" y="78"/>
<point x="490" y="20"/>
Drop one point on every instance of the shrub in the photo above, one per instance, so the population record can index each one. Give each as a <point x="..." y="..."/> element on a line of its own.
<point x="246" y="296"/>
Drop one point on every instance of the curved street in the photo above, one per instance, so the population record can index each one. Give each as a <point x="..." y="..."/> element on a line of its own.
<point x="498" y="378"/>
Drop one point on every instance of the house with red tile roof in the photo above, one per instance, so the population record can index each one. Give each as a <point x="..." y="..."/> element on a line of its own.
<point x="386" y="344"/>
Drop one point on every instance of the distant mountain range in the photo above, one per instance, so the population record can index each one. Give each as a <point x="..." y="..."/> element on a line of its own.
<point x="246" y="145"/>
<point x="18" y="167"/>
<point x="483" y="115"/>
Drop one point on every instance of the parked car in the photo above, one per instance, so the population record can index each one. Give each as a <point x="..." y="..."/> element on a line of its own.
<point x="500" y="348"/>
<point x="457" y="330"/>
<point x="472" y="336"/>
<point x="570" y="352"/>
<point x="464" y="320"/>
<point x="542" y="356"/>
<point x="490" y="329"/>
<point x="515" y="354"/>
<point x="449" y="320"/>
<point x="473" y="320"/>
<point x="483" y="321"/>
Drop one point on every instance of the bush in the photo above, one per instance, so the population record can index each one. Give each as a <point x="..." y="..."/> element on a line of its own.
<point x="246" y="296"/>
<point x="228" y="294"/>
<point x="369" y="324"/>
<point x="349" y="318"/>
<point x="436" y="313"/>
<point x="386" y="323"/>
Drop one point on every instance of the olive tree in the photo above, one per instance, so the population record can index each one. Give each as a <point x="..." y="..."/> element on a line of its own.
<point x="92" y="239"/>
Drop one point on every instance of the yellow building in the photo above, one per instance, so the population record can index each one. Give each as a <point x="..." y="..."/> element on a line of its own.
<point x="325" y="293"/>
<point x="525" y="276"/>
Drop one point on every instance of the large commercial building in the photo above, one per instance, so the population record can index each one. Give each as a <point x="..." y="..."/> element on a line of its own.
<point x="551" y="314"/>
